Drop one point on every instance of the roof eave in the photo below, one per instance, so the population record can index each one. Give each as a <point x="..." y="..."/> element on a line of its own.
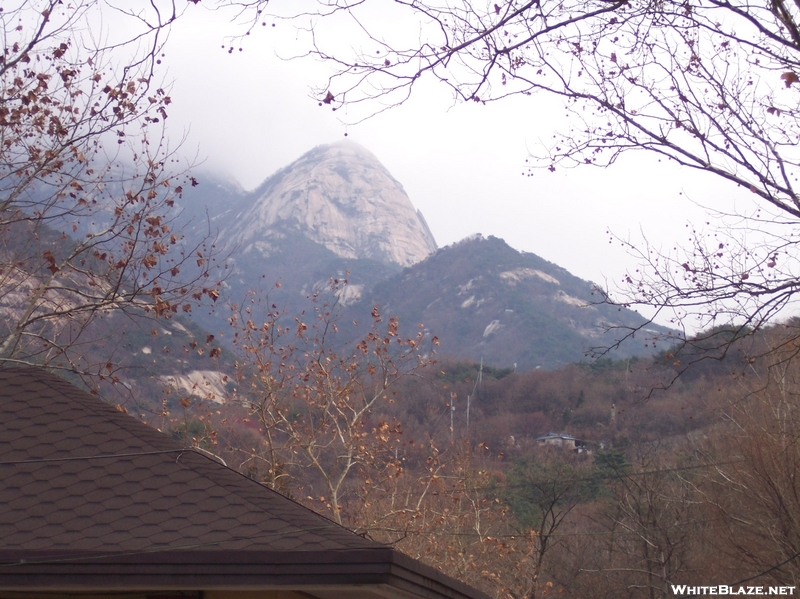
<point x="386" y="572"/>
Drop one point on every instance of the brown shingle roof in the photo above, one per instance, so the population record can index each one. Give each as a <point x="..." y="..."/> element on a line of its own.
<point x="78" y="474"/>
<point x="90" y="495"/>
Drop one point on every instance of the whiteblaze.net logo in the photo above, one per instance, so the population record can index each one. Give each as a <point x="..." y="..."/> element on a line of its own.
<point x="723" y="589"/>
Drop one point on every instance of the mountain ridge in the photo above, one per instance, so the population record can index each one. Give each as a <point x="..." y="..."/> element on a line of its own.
<point x="483" y="298"/>
<point x="340" y="196"/>
<point x="479" y="296"/>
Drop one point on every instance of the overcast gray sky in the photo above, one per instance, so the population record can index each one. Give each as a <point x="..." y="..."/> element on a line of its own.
<point x="249" y="113"/>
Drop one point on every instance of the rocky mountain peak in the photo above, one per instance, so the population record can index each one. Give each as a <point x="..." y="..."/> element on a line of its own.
<point x="343" y="198"/>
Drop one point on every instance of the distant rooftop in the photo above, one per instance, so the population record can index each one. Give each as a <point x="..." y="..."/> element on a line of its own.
<point x="557" y="436"/>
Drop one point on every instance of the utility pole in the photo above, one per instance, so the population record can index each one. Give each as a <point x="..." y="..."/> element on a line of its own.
<point x="469" y="397"/>
<point x="477" y="386"/>
<point x="452" y="413"/>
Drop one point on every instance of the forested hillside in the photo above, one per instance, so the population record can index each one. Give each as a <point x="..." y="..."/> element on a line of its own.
<point x="687" y="480"/>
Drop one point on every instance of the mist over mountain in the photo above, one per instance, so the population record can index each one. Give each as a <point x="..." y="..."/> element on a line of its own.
<point x="338" y="196"/>
<point x="337" y="212"/>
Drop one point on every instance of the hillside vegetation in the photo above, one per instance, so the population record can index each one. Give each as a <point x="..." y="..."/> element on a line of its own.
<point x="687" y="480"/>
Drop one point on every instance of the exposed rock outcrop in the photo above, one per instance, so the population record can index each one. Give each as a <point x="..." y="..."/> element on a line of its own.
<point x="341" y="197"/>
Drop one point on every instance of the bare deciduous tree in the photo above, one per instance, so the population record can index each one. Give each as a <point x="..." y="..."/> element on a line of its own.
<point x="87" y="179"/>
<point x="654" y="528"/>
<point x="319" y="408"/>
<point x="753" y="493"/>
<point x="544" y="491"/>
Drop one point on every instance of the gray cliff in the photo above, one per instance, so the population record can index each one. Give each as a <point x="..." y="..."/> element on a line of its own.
<point x="341" y="197"/>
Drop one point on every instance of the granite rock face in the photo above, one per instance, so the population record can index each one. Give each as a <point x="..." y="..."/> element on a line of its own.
<point x="341" y="197"/>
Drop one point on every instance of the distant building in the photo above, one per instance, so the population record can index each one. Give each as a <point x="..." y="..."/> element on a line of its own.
<point x="563" y="440"/>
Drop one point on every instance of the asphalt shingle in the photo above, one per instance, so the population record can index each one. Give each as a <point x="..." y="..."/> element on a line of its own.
<point x="75" y="473"/>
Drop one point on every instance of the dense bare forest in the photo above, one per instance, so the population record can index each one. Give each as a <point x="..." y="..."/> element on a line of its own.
<point x="687" y="480"/>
